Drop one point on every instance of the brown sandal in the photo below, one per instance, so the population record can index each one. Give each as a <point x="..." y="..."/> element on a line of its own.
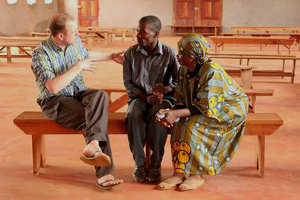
<point x="98" y="159"/>
<point x="107" y="182"/>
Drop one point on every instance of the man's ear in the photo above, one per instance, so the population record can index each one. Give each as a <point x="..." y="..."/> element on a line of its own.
<point x="60" y="36"/>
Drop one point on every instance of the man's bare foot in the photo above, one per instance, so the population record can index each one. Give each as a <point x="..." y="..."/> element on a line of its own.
<point x="91" y="148"/>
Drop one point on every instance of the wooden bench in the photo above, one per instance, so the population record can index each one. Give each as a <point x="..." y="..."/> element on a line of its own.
<point x="105" y="34"/>
<point x="219" y="41"/>
<point x="37" y="125"/>
<point x="24" y="50"/>
<point x="124" y="32"/>
<point x="264" y="72"/>
<point x="24" y="45"/>
<point x="266" y="31"/>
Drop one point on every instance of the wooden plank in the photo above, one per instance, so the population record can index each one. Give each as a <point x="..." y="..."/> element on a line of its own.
<point x="39" y="34"/>
<point x="265" y="28"/>
<point x="22" y="39"/>
<point x="35" y="123"/>
<point x="251" y="40"/>
<point x="259" y="92"/>
<point x="15" y="56"/>
<point x="272" y="73"/>
<point x="252" y="56"/>
<point x="264" y="118"/>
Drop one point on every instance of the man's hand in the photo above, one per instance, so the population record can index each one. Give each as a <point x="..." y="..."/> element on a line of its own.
<point x="87" y="65"/>
<point x="118" y="57"/>
<point x="167" y="89"/>
<point x="158" y="91"/>
<point x="152" y="99"/>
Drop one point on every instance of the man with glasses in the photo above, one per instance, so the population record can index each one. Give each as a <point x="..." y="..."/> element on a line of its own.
<point x="150" y="77"/>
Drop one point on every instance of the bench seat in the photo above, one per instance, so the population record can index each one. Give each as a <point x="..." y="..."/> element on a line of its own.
<point x="37" y="125"/>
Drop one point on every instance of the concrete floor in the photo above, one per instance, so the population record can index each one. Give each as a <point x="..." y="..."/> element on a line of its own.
<point x="66" y="177"/>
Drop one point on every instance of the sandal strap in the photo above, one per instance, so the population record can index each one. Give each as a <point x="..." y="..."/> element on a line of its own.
<point x="105" y="178"/>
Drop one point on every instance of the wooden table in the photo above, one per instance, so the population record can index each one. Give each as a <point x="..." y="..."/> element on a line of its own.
<point x="219" y="41"/>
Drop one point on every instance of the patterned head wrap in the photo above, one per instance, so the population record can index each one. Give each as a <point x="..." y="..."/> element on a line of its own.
<point x="196" y="46"/>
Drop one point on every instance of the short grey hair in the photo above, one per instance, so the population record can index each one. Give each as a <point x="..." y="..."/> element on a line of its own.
<point x="153" y="21"/>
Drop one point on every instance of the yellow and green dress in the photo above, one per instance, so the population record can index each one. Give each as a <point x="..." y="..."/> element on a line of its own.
<point x="205" y="142"/>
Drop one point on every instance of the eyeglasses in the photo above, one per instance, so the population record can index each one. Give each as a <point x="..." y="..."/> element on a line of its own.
<point x="181" y="54"/>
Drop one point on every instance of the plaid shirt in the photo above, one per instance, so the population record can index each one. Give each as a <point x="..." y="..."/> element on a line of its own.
<point x="49" y="61"/>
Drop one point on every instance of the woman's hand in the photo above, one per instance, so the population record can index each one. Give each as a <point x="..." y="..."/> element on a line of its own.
<point x="167" y="117"/>
<point x="171" y="117"/>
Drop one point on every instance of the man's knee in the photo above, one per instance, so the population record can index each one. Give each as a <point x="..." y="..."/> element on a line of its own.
<point x="102" y="96"/>
<point x="136" y="110"/>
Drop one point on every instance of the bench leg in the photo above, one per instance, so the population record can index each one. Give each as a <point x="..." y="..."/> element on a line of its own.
<point x="38" y="153"/>
<point x="261" y="155"/>
<point x="246" y="78"/>
<point x="8" y="54"/>
<point x="43" y="152"/>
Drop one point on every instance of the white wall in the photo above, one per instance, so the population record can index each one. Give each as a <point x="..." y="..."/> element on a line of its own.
<point x="260" y="13"/>
<point x="126" y="13"/>
<point x="22" y="18"/>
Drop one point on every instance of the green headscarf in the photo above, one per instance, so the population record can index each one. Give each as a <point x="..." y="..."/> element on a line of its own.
<point x="196" y="46"/>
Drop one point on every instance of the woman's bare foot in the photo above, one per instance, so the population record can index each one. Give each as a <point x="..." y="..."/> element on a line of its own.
<point x="170" y="182"/>
<point x="191" y="182"/>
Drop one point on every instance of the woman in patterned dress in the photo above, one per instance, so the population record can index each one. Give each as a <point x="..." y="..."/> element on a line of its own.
<point x="212" y="109"/>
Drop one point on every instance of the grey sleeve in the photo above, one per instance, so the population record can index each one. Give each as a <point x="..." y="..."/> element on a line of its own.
<point x="131" y="89"/>
<point x="174" y="68"/>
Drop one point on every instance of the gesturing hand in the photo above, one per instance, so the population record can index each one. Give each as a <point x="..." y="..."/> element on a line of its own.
<point x="118" y="57"/>
<point x="87" y="65"/>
